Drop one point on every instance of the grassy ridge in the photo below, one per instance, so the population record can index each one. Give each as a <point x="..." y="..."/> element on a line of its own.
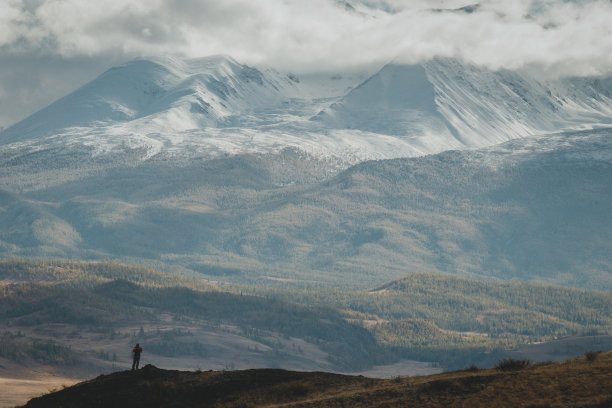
<point x="87" y="274"/>
<point x="582" y="382"/>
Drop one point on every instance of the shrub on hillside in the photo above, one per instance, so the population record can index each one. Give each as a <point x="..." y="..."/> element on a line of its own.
<point x="511" y="364"/>
<point x="592" y="355"/>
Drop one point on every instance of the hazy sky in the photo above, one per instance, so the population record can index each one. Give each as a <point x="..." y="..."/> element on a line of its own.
<point x="50" y="47"/>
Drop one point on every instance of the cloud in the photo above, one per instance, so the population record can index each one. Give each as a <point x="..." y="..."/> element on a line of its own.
<point x="556" y="36"/>
<point x="318" y="32"/>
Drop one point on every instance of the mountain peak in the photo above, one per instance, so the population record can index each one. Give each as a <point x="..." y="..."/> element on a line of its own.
<point x="209" y="88"/>
<point x="218" y="106"/>
<point x="450" y="103"/>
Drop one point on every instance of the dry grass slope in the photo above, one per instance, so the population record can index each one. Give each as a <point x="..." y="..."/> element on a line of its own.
<point x="581" y="382"/>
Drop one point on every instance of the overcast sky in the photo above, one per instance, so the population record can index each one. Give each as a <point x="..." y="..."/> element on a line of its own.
<point x="50" y="47"/>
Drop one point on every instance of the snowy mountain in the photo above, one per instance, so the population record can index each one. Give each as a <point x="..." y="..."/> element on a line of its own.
<point x="214" y="106"/>
<point x="169" y="93"/>
<point x="212" y="166"/>
<point x="444" y="104"/>
<point x="134" y="104"/>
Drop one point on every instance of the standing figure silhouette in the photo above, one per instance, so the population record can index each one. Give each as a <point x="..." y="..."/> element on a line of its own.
<point x="136" y="352"/>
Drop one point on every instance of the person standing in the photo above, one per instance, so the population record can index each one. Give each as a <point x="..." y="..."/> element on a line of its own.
<point x="136" y="352"/>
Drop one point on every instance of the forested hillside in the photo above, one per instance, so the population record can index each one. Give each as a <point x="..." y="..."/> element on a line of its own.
<point x="531" y="209"/>
<point x="428" y="317"/>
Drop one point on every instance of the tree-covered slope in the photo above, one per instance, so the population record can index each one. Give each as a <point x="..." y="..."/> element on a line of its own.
<point x="427" y="317"/>
<point x="531" y="209"/>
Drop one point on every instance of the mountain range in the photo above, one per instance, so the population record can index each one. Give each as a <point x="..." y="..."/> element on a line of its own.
<point x="236" y="173"/>
<point x="217" y="106"/>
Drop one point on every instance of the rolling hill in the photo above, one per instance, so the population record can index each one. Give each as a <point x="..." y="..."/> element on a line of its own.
<point x="579" y="383"/>
<point x="427" y="317"/>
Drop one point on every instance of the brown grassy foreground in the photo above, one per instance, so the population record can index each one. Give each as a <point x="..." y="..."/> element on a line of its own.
<point x="582" y="382"/>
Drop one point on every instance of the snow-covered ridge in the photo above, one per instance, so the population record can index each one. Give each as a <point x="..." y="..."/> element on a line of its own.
<point x="465" y="106"/>
<point x="169" y="92"/>
<point x="215" y="105"/>
<point x="486" y="107"/>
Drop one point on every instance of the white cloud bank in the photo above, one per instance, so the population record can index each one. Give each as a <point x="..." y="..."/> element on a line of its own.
<point x="558" y="37"/>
